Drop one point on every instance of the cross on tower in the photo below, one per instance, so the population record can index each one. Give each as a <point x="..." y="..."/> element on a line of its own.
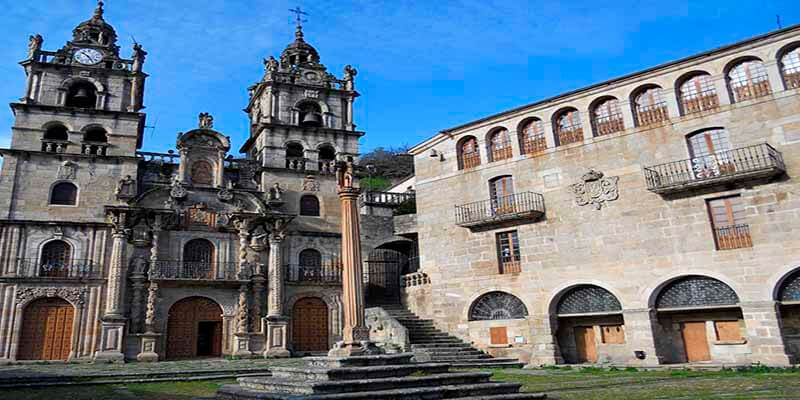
<point x="298" y="12"/>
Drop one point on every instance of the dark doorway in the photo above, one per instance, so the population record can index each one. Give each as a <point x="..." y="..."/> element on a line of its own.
<point x="208" y="334"/>
<point x="383" y="277"/>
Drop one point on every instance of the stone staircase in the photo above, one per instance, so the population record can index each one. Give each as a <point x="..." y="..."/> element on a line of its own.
<point x="380" y="377"/>
<point x="431" y="344"/>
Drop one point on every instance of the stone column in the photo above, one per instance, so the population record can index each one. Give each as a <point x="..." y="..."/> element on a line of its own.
<point x="277" y="323"/>
<point x="255" y="311"/>
<point x="113" y="322"/>
<point x="241" y="337"/>
<point x="243" y="242"/>
<point x="148" y="340"/>
<point x="639" y="336"/>
<point x="764" y="336"/>
<point x="138" y="283"/>
<point x="182" y="167"/>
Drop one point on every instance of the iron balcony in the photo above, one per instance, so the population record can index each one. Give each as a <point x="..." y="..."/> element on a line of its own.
<point x="66" y="269"/>
<point x="518" y="206"/>
<point x="199" y="271"/>
<point x="314" y="274"/>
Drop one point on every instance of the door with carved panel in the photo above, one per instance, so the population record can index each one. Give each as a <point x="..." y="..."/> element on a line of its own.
<point x="310" y="325"/>
<point x="46" y="330"/>
<point x="194" y="329"/>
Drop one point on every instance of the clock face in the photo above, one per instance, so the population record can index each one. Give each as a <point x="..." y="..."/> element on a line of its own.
<point x="88" y="56"/>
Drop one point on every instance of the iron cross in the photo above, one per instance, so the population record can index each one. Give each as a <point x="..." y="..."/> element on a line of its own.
<point x="297" y="11"/>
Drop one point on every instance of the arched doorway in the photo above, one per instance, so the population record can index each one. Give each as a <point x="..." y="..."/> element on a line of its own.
<point x="194" y="329"/>
<point x="590" y="325"/>
<point x="699" y="320"/>
<point x="46" y="330"/>
<point x="310" y="325"/>
<point x="789" y="298"/>
<point x="384" y="267"/>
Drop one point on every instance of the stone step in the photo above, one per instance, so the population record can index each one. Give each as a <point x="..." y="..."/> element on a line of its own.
<point x="489" y="363"/>
<point x="359" y="361"/>
<point x="302" y="386"/>
<point x="485" y="390"/>
<point x="433" y="338"/>
<point x="453" y="351"/>
<point x="432" y="346"/>
<point x="459" y="357"/>
<point x="512" y="396"/>
<point x="371" y="372"/>
<point x="437" y="341"/>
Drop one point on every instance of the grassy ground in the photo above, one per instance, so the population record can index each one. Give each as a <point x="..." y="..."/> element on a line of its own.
<point x="138" y="391"/>
<point x="634" y="385"/>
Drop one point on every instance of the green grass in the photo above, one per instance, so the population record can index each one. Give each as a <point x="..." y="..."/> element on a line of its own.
<point x="137" y="391"/>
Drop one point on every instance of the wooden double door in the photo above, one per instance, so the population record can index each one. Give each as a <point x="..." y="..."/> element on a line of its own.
<point x="310" y="325"/>
<point x="46" y="330"/>
<point x="194" y="329"/>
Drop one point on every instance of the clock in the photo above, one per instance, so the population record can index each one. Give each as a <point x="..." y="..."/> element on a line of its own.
<point x="88" y="56"/>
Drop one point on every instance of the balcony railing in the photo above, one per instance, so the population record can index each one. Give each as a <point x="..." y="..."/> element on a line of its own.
<point x="94" y="149"/>
<point x="733" y="237"/>
<point x="199" y="271"/>
<point x="54" y="146"/>
<point x="316" y="274"/>
<point x="512" y="207"/>
<point x="72" y="269"/>
<point x="757" y="161"/>
<point x="386" y="199"/>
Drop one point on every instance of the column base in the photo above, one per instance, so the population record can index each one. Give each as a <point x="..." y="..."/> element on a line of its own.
<point x="241" y="344"/>
<point x="276" y="343"/>
<point x="112" y="332"/>
<point x="362" y="348"/>
<point x="147" y="352"/>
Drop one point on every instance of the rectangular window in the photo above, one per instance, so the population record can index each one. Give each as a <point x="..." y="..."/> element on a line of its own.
<point x="498" y="335"/>
<point x="508" y="252"/>
<point x="613" y="334"/>
<point x="728" y="330"/>
<point x="728" y="222"/>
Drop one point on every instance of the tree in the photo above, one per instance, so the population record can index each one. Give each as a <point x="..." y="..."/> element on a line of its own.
<point x="383" y="167"/>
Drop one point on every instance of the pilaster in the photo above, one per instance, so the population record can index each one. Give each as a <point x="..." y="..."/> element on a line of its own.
<point x="639" y="336"/>
<point x="774" y="74"/>
<point x="762" y="321"/>
<point x="543" y="341"/>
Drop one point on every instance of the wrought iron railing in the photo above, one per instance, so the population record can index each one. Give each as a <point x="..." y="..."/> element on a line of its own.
<point x="386" y="199"/>
<point x="73" y="269"/>
<point x="192" y="270"/>
<point x="326" y="273"/>
<point x="745" y="162"/>
<point x="515" y="206"/>
<point x="733" y="237"/>
<point x="165" y="158"/>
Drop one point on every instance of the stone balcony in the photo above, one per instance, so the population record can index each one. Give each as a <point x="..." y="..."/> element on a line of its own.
<point x="190" y="271"/>
<point x="388" y="203"/>
<point x="725" y="167"/>
<point x="511" y="208"/>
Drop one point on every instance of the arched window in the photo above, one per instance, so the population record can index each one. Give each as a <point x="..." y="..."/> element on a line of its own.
<point x="697" y="93"/>
<point x="649" y="106"/>
<point x="497" y="305"/>
<point x="55" y="138"/>
<point x="82" y="95"/>
<point x="607" y="117"/>
<point x="202" y="173"/>
<point x="327" y="159"/>
<point x="198" y="260"/>
<point x="499" y="145"/>
<point x="588" y="299"/>
<point x="708" y="142"/>
<point x="568" y="127"/>
<point x="309" y="205"/>
<point x="95" y="134"/>
<point x="790" y="288"/>
<point x="295" y="158"/>
<point x="531" y="137"/>
<point x="790" y="68"/>
<point x="468" y="153"/>
<point x="748" y="80"/>
<point x="310" y="258"/>
<point x="55" y="259"/>
<point x="696" y="291"/>
<point x="64" y="194"/>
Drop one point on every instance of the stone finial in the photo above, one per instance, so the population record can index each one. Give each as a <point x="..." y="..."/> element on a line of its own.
<point x="34" y="45"/>
<point x="349" y="77"/>
<point x="205" y="121"/>
<point x="138" y="57"/>
<point x="98" y="11"/>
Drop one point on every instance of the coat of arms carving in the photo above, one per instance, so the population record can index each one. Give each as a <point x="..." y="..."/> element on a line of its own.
<point x="200" y="214"/>
<point x="310" y="184"/>
<point x="596" y="189"/>
<point x="67" y="170"/>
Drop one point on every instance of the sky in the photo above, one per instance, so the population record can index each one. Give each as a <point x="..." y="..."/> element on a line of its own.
<point x="423" y="66"/>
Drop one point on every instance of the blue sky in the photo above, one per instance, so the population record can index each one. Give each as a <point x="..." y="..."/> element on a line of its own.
<point x="423" y="66"/>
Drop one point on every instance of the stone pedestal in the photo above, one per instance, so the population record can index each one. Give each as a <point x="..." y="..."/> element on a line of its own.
<point x="111" y="334"/>
<point x="276" y="344"/>
<point x="147" y="350"/>
<point x="241" y="345"/>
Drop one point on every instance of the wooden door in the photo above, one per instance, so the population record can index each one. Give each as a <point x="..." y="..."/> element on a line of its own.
<point x="584" y="344"/>
<point x="310" y="325"/>
<point x="695" y="341"/>
<point x="183" y="328"/>
<point x="46" y="330"/>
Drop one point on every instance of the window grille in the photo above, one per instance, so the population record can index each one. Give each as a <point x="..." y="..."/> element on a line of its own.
<point x="198" y="258"/>
<point x="569" y="128"/>
<point x="650" y="107"/>
<point x="728" y="222"/>
<point x="749" y="80"/>
<point x="496" y="306"/>
<point x="508" y="252"/>
<point x="310" y="258"/>
<point x="55" y="259"/>
<point x="469" y="155"/>
<point x="531" y="137"/>
<point x="64" y="194"/>
<point x="499" y="145"/>
<point x="698" y="94"/>
<point x="309" y="206"/>
<point x="696" y="291"/>
<point x="587" y="299"/>
<point x="607" y="118"/>
<point x="790" y="67"/>
<point x="790" y="289"/>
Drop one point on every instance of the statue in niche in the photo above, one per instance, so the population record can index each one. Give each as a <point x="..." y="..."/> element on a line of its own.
<point x="34" y="45"/>
<point x="205" y="121"/>
<point x="126" y="188"/>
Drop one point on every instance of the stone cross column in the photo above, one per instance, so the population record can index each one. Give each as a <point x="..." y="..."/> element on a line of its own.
<point x="241" y="337"/>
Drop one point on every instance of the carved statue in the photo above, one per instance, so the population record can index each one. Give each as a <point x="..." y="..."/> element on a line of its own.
<point x="344" y="175"/>
<point x="271" y="65"/>
<point x="275" y="192"/>
<point x="138" y="266"/>
<point x="138" y="57"/>
<point x="206" y="121"/>
<point x="349" y="77"/>
<point x="126" y="188"/>
<point x="34" y="45"/>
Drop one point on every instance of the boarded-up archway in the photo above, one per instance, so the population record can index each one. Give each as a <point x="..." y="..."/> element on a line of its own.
<point x="46" y="330"/>
<point x="310" y="325"/>
<point x="194" y="329"/>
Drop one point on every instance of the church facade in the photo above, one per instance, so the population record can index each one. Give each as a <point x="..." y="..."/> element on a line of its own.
<point x="110" y="253"/>
<point x="650" y="219"/>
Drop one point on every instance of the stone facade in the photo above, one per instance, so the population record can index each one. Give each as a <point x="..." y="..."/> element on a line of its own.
<point x="605" y="213"/>
<point x="140" y="255"/>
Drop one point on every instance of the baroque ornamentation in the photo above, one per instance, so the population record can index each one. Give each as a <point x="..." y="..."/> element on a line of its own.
<point x="74" y="295"/>
<point x="200" y="214"/>
<point x="126" y="188"/>
<point x="310" y="184"/>
<point x="205" y="121"/>
<point x="177" y="191"/>
<point x="67" y="170"/>
<point x="225" y="195"/>
<point x="595" y="190"/>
